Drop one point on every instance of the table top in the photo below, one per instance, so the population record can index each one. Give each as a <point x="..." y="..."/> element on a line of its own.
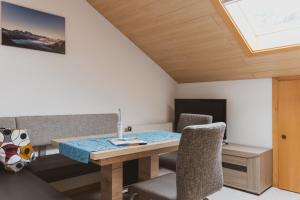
<point x="118" y="154"/>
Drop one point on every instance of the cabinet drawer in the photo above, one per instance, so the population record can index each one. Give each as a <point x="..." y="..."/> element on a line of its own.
<point x="234" y="160"/>
<point x="235" y="178"/>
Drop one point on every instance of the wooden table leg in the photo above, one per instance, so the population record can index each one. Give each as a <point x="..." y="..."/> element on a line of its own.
<point x="148" y="167"/>
<point x="112" y="182"/>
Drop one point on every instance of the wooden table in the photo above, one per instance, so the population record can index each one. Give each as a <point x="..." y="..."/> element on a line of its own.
<point x="111" y="163"/>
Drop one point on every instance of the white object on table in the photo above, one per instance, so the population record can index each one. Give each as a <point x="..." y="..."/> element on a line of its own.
<point x="127" y="141"/>
<point x="120" y="125"/>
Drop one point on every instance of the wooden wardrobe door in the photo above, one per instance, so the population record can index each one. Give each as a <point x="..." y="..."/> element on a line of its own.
<point x="289" y="135"/>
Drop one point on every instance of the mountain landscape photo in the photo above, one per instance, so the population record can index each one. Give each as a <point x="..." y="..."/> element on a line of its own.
<point x="25" y="39"/>
<point x="27" y="28"/>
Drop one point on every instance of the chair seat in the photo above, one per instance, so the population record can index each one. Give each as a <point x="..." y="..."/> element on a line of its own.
<point x="26" y="186"/>
<point x="160" y="188"/>
<point x="168" y="161"/>
<point x="57" y="167"/>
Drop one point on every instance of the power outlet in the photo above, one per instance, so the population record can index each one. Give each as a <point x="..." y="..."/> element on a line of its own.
<point x="128" y="129"/>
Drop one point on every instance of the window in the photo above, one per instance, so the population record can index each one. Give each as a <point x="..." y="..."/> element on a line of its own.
<point x="265" y="24"/>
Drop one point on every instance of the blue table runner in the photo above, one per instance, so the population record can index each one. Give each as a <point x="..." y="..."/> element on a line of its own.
<point x="80" y="150"/>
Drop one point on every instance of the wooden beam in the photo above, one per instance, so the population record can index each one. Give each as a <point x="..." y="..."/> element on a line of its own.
<point x="127" y="151"/>
<point x="148" y="167"/>
<point x="112" y="182"/>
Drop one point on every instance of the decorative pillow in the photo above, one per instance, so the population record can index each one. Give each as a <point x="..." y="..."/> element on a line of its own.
<point x="15" y="149"/>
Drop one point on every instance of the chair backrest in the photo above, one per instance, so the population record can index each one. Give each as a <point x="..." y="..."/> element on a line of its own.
<point x="186" y="119"/>
<point x="199" y="164"/>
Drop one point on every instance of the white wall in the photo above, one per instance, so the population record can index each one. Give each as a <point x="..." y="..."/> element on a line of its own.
<point x="249" y="107"/>
<point x="101" y="71"/>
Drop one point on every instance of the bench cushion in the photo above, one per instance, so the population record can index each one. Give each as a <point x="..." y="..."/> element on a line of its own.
<point x="42" y="129"/>
<point x="56" y="167"/>
<point x="7" y="122"/>
<point x="168" y="161"/>
<point x="24" y="185"/>
<point x="130" y="172"/>
<point x="159" y="188"/>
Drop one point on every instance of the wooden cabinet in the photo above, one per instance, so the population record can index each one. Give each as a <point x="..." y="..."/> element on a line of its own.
<point x="247" y="168"/>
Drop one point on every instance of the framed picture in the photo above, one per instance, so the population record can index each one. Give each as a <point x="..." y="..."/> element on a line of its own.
<point x="32" y="29"/>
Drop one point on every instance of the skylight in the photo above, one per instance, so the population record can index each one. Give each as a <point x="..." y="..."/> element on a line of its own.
<point x="266" y="24"/>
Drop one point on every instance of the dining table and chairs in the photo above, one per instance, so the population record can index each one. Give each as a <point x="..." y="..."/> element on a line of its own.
<point x="199" y="162"/>
<point x="99" y="150"/>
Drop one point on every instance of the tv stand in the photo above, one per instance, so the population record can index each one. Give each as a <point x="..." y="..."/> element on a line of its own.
<point x="247" y="168"/>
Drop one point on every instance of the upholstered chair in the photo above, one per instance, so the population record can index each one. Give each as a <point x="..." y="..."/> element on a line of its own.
<point x="199" y="168"/>
<point x="168" y="160"/>
<point x="186" y="119"/>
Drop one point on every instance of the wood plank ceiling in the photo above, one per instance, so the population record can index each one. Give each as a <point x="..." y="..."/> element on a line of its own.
<point x="191" y="42"/>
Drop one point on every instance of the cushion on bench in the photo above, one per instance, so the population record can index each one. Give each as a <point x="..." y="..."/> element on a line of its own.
<point x="159" y="188"/>
<point x="57" y="167"/>
<point x="8" y="122"/>
<point x="26" y="186"/>
<point x="168" y="161"/>
<point x="42" y="129"/>
<point x="130" y="172"/>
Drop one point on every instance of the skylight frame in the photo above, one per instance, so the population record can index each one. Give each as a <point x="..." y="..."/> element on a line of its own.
<point x="239" y="35"/>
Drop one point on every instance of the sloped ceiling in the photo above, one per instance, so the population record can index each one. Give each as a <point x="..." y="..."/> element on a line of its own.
<point x="190" y="40"/>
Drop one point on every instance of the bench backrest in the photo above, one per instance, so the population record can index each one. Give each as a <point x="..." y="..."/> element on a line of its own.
<point x="42" y="129"/>
<point x="8" y="122"/>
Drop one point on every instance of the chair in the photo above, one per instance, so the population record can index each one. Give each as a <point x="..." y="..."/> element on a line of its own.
<point x="168" y="160"/>
<point x="186" y="119"/>
<point x="199" y="168"/>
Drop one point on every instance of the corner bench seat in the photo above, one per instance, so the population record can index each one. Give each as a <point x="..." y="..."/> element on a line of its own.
<point x="52" y="168"/>
<point x="26" y="186"/>
<point x="32" y="182"/>
<point x="168" y="161"/>
<point x="159" y="188"/>
<point x="57" y="167"/>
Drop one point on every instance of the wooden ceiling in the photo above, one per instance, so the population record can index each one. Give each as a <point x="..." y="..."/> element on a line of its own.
<point x="191" y="42"/>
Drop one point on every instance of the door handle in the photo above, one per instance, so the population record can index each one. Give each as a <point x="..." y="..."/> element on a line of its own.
<point x="283" y="136"/>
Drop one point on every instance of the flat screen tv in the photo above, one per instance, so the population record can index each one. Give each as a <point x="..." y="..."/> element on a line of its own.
<point x="213" y="107"/>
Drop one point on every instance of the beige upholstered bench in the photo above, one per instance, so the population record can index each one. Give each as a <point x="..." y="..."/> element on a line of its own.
<point x="51" y="168"/>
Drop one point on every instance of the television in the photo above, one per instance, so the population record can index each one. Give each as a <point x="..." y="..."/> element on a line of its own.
<point x="213" y="107"/>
